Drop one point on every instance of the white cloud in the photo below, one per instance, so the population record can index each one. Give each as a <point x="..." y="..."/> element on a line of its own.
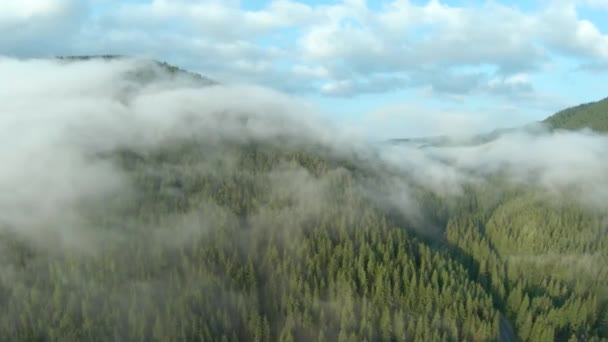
<point x="512" y="84"/>
<point x="341" y="49"/>
<point x="351" y="87"/>
<point x="27" y="9"/>
<point x="564" y="32"/>
<point x="57" y="117"/>
<point x="598" y="4"/>
<point x="403" y="120"/>
<point x="546" y="164"/>
<point x="30" y="28"/>
<point x="310" y="71"/>
<point x="211" y="19"/>
<point x="404" y="35"/>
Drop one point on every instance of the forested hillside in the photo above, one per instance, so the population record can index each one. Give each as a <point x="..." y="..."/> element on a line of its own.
<point x="213" y="222"/>
<point x="592" y="115"/>
<point x="228" y="246"/>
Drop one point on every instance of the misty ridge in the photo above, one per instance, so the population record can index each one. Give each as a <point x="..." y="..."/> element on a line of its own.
<point x="59" y="117"/>
<point x="141" y="202"/>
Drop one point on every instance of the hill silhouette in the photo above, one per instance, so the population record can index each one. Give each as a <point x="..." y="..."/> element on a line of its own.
<point x="592" y="115"/>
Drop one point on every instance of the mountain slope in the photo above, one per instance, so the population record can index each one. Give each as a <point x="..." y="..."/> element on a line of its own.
<point x="224" y="220"/>
<point x="148" y="72"/>
<point x="592" y="115"/>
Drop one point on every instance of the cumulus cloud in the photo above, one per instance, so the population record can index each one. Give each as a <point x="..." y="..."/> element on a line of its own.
<point x="35" y="28"/>
<point x="430" y="42"/>
<point x="403" y="35"/>
<point x="363" y="85"/>
<point x="341" y="49"/>
<point x="598" y="4"/>
<point x="566" y="33"/>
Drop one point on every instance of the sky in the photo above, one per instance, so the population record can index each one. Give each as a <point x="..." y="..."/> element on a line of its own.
<point x="386" y="68"/>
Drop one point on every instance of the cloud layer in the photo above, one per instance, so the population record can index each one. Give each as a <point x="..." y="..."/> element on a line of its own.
<point x="343" y="49"/>
<point x="57" y="118"/>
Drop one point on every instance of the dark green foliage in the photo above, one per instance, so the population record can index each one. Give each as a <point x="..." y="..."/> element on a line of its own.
<point x="227" y="242"/>
<point x="545" y="265"/>
<point x="590" y="115"/>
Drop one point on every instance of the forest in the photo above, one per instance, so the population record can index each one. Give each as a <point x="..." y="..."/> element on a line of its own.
<point x="588" y="115"/>
<point x="222" y="234"/>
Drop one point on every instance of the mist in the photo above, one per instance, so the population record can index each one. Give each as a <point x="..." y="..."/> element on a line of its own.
<point x="125" y="184"/>
<point x="558" y="163"/>
<point x="56" y="116"/>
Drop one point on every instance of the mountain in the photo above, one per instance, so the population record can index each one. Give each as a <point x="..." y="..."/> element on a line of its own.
<point x="148" y="70"/>
<point x="198" y="222"/>
<point x="592" y="115"/>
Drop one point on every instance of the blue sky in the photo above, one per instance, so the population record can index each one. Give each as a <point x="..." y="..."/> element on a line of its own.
<point x="388" y="68"/>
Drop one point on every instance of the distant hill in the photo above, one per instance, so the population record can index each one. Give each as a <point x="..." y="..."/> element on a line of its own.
<point x="473" y="140"/>
<point x="148" y="75"/>
<point x="592" y="115"/>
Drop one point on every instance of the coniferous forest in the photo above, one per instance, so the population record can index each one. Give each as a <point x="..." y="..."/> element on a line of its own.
<point x="228" y="236"/>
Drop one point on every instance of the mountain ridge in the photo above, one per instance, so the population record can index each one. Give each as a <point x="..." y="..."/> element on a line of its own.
<point x="222" y="223"/>
<point x="592" y="115"/>
<point x="145" y="74"/>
